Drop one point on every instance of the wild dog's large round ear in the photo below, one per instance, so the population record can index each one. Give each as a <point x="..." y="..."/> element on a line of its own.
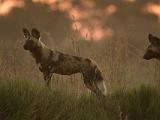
<point x="151" y="38"/>
<point x="35" y="33"/>
<point x="26" y="33"/>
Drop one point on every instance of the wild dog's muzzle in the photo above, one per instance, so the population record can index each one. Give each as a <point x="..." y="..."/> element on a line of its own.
<point x="28" y="47"/>
<point x="25" y="47"/>
<point x="150" y="55"/>
<point x="147" y="57"/>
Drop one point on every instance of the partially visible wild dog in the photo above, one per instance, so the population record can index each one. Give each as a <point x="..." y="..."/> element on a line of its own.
<point x="52" y="61"/>
<point x="153" y="50"/>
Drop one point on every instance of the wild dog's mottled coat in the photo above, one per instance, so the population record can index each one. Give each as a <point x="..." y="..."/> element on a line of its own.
<point x="52" y="61"/>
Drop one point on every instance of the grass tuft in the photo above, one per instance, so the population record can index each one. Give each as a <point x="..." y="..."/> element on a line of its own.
<point x="22" y="99"/>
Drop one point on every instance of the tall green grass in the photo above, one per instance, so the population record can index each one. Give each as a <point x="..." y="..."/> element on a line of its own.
<point x="22" y="99"/>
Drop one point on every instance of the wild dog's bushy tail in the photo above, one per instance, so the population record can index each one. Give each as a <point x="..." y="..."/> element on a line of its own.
<point x="102" y="87"/>
<point x="99" y="82"/>
<point x="95" y="78"/>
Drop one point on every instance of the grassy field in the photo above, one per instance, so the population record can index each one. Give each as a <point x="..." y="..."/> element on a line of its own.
<point x="132" y="83"/>
<point x="23" y="99"/>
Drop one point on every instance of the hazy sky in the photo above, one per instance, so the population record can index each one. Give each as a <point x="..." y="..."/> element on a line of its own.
<point x="93" y="19"/>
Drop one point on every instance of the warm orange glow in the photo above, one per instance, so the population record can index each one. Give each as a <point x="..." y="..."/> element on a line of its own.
<point x="86" y="33"/>
<point x="76" y="26"/>
<point x="153" y="9"/>
<point x="65" y="6"/>
<point x="48" y="2"/>
<point x="91" y="22"/>
<point x="87" y="18"/>
<point x="100" y="33"/>
<point x="109" y="10"/>
<point x="88" y="3"/>
<point x="95" y="34"/>
<point x="6" y="6"/>
<point x="129" y="0"/>
<point x="75" y="14"/>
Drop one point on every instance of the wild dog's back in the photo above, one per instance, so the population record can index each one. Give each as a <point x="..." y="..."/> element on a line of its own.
<point x="67" y="64"/>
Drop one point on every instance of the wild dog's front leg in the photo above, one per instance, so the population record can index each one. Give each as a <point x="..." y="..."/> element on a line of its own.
<point x="47" y="74"/>
<point x="47" y="78"/>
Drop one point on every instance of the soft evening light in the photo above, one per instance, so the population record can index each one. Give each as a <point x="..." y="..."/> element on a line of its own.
<point x="153" y="9"/>
<point x="87" y="18"/>
<point x="6" y="6"/>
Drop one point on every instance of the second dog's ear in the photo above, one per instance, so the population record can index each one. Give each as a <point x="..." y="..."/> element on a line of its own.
<point x="35" y="33"/>
<point x="153" y="39"/>
<point x="26" y="33"/>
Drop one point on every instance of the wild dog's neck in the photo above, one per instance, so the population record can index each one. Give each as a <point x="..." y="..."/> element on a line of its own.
<point x="40" y="53"/>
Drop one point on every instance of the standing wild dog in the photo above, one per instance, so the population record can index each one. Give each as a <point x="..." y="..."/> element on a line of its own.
<point x="153" y="50"/>
<point x="52" y="61"/>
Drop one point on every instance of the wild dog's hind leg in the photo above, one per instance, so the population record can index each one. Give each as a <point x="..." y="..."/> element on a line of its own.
<point x="95" y="83"/>
<point x="89" y="83"/>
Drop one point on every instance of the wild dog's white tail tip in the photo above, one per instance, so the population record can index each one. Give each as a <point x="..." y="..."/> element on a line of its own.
<point x="102" y="87"/>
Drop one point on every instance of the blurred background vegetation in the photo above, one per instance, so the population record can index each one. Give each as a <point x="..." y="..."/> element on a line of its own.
<point x="112" y="32"/>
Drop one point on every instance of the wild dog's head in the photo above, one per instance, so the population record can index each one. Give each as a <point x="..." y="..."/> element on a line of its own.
<point x="31" y="40"/>
<point x="153" y="50"/>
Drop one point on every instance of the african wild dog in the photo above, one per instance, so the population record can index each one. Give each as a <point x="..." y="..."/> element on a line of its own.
<point x="153" y="50"/>
<point x="52" y="61"/>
